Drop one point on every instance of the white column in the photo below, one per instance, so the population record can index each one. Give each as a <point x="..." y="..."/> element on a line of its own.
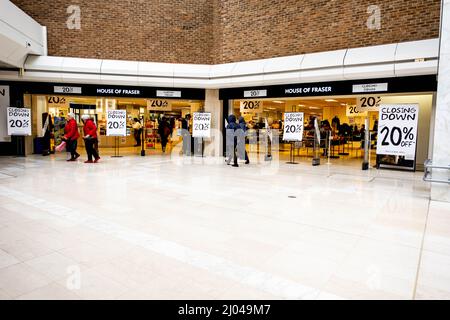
<point x="441" y="145"/>
<point x="214" y="105"/>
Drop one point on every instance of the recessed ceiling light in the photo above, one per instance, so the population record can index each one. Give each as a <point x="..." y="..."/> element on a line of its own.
<point x="314" y="107"/>
<point x="272" y="108"/>
<point x="301" y="105"/>
<point x="330" y="100"/>
<point x="278" y="101"/>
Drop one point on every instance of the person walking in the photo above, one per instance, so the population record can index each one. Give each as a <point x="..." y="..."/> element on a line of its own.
<point x="164" y="131"/>
<point x="244" y="128"/>
<point x="137" y="128"/>
<point x="90" y="138"/>
<point x="232" y="126"/>
<point x="71" y="135"/>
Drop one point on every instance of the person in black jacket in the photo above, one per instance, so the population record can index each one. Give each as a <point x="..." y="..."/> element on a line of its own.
<point x="231" y="140"/>
<point x="164" y="131"/>
<point x="244" y="128"/>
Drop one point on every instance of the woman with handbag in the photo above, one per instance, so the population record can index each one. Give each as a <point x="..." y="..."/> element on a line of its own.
<point x="70" y="136"/>
<point x="90" y="138"/>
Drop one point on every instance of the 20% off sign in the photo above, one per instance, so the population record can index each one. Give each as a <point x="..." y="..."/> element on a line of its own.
<point x="397" y="129"/>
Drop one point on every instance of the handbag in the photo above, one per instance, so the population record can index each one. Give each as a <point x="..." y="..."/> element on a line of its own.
<point x="61" y="146"/>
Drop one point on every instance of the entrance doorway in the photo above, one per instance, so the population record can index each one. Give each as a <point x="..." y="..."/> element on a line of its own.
<point x="144" y="120"/>
<point x="342" y="128"/>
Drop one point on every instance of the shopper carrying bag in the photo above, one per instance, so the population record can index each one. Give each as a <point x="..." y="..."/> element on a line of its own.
<point x="90" y="138"/>
<point x="71" y="135"/>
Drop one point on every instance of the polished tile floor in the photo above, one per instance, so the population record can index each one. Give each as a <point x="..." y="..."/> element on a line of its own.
<point x="158" y="227"/>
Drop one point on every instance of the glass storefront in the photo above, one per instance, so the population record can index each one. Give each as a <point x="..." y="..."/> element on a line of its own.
<point x="147" y="112"/>
<point x="146" y="109"/>
<point x="341" y="120"/>
<point x="342" y="127"/>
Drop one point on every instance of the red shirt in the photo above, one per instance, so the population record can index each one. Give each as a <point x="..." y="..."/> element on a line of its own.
<point x="90" y="128"/>
<point x="71" y="130"/>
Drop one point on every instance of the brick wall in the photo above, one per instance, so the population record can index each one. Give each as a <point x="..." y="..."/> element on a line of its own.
<point x="149" y="30"/>
<point x="218" y="31"/>
<point x="254" y="29"/>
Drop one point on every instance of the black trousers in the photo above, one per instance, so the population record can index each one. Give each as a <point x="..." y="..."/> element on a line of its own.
<point x="164" y="141"/>
<point x="71" y="146"/>
<point x="137" y="136"/>
<point x="90" y="148"/>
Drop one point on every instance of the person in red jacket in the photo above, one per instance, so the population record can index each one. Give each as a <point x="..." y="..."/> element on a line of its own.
<point x="71" y="135"/>
<point x="90" y="138"/>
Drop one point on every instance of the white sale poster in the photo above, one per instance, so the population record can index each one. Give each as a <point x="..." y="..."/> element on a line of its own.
<point x="116" y="123"/>
<point x="397" y="130"/>
<point x="19" y="121"/>
<point x="201" y="125"/>
<point x="293" y="126"/>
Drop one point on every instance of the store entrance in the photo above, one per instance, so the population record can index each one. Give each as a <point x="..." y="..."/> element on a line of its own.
<point x="152" y="124"/>
<point x="342" y="128"/>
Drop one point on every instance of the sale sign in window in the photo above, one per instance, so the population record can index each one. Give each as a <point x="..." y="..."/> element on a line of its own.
<point x="116" y="123"/>
<point x="397" y="130"/>
<point x="19" y="121"/>
<point x="293" y="126"/>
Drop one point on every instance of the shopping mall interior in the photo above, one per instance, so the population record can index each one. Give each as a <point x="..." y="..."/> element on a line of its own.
<point x="123" y="174"/>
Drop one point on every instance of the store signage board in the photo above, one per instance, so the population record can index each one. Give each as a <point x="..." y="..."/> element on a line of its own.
<point x="379" y="86"/>
<point x="255" y="93"/>
<point x="67" y="90"/>
<point x="57" y="102"/>
<point x="397" y="130"/>
<point x="168" y="94"/>
<point x="19" y="121"/>
<point x="308" y="90"/>
<point x="116" y="123"/>
<point x="251" y="106"/>
<point x="126" y="92"/>
<point x="4" y="104"/>
<point x="351" y="111"/>
<point x="370" y="87"/>
<point x="368" y="103"/>
<point x="159" y="105"/>
<point x="201" y="125"/>
<point x="293" y="126"/>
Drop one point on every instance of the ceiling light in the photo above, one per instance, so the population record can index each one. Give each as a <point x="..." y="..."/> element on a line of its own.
<point x="301" y="105"/>
<point x="278" y="101"/>
<point x="314" y="107"/>
<point x="330" y="100"/>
